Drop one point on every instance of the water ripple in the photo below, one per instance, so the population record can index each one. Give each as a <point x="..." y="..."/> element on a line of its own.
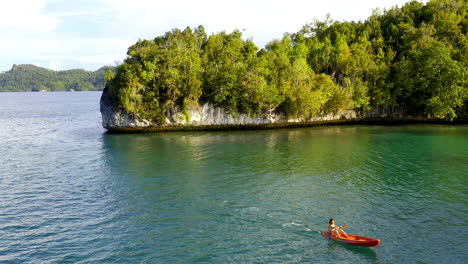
<point x="71" y="194"/>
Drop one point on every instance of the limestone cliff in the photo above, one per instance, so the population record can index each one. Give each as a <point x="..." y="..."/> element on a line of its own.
<point x="204" y="116"/>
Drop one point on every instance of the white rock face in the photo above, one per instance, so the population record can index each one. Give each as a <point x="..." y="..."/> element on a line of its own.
<point x="116" y="119"/>
<point x="330" y="117"/>
<point x="205" y="115"/>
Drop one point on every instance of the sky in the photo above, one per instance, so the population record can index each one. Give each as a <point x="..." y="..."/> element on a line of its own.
<point x="88" y="34"/>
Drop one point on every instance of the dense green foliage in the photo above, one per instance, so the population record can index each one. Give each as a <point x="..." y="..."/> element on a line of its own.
<point x="22" y="78"/>
<point x="409" y="61"/>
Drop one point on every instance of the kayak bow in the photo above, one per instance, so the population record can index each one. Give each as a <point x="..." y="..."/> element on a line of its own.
<point x="354" y="240"/>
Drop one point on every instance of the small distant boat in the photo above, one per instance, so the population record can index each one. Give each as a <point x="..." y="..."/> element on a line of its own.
<point x="354" y="240"/>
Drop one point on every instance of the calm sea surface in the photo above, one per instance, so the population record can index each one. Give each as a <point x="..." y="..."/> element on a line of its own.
<point x="70" y="193"/>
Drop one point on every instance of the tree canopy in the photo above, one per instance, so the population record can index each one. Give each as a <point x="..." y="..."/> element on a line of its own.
<point x="409" y="61"/>
<point x="22" y="78"/>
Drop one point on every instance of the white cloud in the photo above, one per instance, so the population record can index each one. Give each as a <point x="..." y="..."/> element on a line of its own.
<point x="89" y="34"/>
<point x="54" y="65"/>
<point x="26" y="15"/>
<point x="263" y="20"/>
<point x="56" y="53"/>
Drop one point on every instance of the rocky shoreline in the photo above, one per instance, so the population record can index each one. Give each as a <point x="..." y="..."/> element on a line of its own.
<point x="208" y="117"/>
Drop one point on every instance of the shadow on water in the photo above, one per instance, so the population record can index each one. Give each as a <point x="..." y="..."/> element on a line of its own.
<point x="366" y="252"/>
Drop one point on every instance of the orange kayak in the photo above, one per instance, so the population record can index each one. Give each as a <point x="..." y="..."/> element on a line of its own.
<point x="354" y="240"/>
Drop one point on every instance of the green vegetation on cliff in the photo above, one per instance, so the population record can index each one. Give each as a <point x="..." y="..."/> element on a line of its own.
<point x="22" y="78"/>
<point x="409" y="61"/>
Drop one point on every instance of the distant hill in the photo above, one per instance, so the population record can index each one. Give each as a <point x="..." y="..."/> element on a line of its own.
<point x="26" y="78"/>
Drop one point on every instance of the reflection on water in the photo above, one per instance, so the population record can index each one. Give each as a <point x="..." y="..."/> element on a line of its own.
<point x="366" y="254"/>
<point x="254" y="192"/>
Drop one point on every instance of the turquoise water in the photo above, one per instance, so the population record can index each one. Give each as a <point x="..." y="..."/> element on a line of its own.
<point x="70" y="193"/>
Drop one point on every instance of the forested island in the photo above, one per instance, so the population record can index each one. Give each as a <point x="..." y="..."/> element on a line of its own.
<point x="403" y="62"/>
<point x="27" y="78"/>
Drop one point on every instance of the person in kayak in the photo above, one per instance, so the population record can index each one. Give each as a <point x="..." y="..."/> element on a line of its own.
<point x="332" y="229"/>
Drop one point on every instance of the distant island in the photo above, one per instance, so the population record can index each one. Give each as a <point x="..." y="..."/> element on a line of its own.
<point x="409" y="62"/>
<point x="30" y="78"/>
